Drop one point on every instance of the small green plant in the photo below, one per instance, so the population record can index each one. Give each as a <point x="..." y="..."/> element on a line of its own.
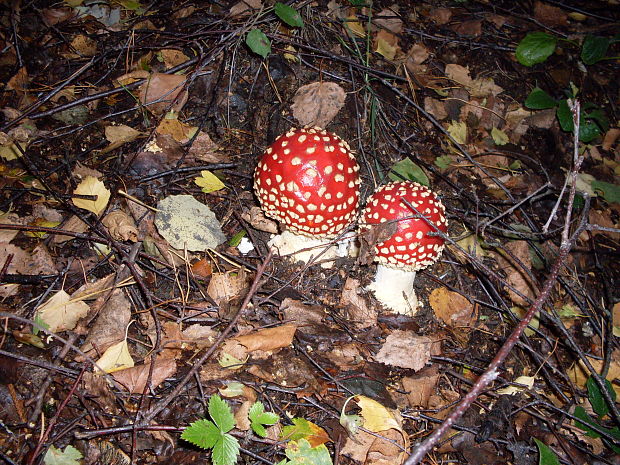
<point x="537" y="46"/>
<point x="256" y="39"/>
<point x="593" y="121"/>
<point x="601" y="409"/>
<point x="215" y="434"/>
<point x="545" y="455"/>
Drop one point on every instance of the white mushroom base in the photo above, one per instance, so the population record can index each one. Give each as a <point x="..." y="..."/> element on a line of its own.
<point x="394" y="289"/>
<point x="304" y="249"/>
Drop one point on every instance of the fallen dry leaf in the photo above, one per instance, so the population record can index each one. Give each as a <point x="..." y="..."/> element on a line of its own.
<point x="60" y="313"/>
<point x="515" y="275"/>
<point x="121" y="226"/>
<point x="134" y="379"/>
<point x="441" y="16"/>
<point x="318" y="103"/>
<point x="173" y="57"/>
<point x="163" y="92"/>
<point x="179" y="131"/>
<point x="610" y="138"/>
<point x="83" y="46"/>
<point x="302" y="314"/>
<point x="420" y="387"/>
<point x="260" y="342"/>
<point x="118" y="135"/>
<point x="224" y="287"/>
<point x="579" y="374"/>
<point x="436" y="108"/>
<point x="389" y="19"/>
<point x="405" y="349"/>
<point x="203" y="149"/>
<point x="92" y="186"/>
<point x="19" y="81"/>
<point x="244" y="8"/>
<point x="115" y="358"/>
<point x="359" y="314"/>
<point x="386" y="45"/>
<point x="256" y="217"/>
<point x="550" y="15"/>
<point x="73" y="224"/>
<point x="452" y="308"/>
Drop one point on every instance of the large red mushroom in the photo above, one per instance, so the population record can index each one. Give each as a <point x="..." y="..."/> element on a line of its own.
<point x="308" y="180"/>
<point x="419" y="220"/>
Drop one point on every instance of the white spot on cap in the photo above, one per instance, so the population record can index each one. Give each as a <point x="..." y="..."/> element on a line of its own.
<point x="296" y="161"/>
<point x="301" y="138"/>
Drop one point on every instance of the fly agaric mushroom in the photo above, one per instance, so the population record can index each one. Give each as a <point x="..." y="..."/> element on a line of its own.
<point x="413" y="245"/>
<point x="308" y="180"/>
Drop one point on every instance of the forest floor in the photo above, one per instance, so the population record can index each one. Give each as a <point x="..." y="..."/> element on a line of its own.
<point x="124" y="322"/>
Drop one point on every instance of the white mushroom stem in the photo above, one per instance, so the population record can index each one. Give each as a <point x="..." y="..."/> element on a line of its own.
<point x="303" y="249"/>
<point x="393" y="287"/>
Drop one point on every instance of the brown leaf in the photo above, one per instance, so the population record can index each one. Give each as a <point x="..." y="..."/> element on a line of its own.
<point x="417" y="54"/>
<point x="387" y="448"/>
<point x="436" y="108"/>
<point x="421" y="386"/>
<point x="452" y="308"/>
<point x="359" y="314"/>
<point x="134" y="379"/>
<point x="225" y="287"/>
<point x="121" y="226"/>
<point x="302" y="314"/>
<point x="441" y="16"/>
<point x="389" y="19"/>
<point x="370" y="236"/>
<point x="472" y="28"/>
<point x="161" y="92"/>
<point x="386" y="45"/>
<point x="549" y="15"/>
<point x="52" y="16"/>
<point x="244" y="8"/>
<point x="515" y="275"/>
<point x="256" y="217"/>
<point x="610" y="138"/>
<point x="405" y="349"/>
<point x="318" y="103"/>
<point x="173" y="57"/>
<point x="205" y="150"/>
<point x="19" y="81"/>
<point x="202" y="268"/>
<point x="84" y="46"/>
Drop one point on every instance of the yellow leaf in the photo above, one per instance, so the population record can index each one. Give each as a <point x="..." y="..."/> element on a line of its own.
<point x="11" y="151"/>
<point x="290" y="57"/>
<point x="179" y="131"/>
<point x="499" y="136"/>
<point x="43" y="223"/>
<point x="354" y="27"/>
<point x="116" y="358"/>
<point x="510" y="390"/>
<point x="458" y="131"/>
<point x="376" y="416"/>
<point x="228" y="361"/>
<point x="92" y="186"/>
<point x="209" y="182"/>
<point x="579" y="374"/>
<point x="60" y="313"/>
<point x="533" y="324"/>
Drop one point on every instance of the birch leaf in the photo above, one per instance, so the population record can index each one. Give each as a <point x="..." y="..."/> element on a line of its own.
<point x="92" y="186"/>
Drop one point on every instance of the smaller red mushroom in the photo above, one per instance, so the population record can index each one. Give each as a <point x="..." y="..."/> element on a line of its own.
<point x="414" y="245"/>
<point x="308" y="180"/>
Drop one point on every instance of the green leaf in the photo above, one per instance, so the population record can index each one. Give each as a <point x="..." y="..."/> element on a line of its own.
<point x="443" y="162"/>
<point x="610" y="192"/>
<point x="289" y="15"/>
<point x="236" y="239"/>
<point x="221" y="413"/>
<point x="594" y="49"/>
<point x="539" y="100"/>
<point x="595" y="396"/>
<point x="202" y="433"/>
<point x="301" y="428"/>
<point x="258" y="417"/>
<point x="409" y="171"/>
<point x="301" y="453"/>
<point x="226" y="450"/>
<point x="535" y="48"/>
<point x="70" y="456"/>
<point x="546" y="455"/>
<point x="258" y="42"/>
<point x="565" y="116"/>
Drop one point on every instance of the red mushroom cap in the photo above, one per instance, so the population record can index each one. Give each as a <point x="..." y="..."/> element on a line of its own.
<point x="410" y="247"/>
<point x="309" y="180"/>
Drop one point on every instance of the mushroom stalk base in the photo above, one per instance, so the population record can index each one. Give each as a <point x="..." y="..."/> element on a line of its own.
<point x="394" y="289"/>
<point x="303" y="249"/>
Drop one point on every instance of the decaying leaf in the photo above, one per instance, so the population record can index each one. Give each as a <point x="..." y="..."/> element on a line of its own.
<point x="134" y="378"/>
<point x="60" y="313"/>
<point x="244" y="8"/>
<point x="420" y="387"/>
<point x="256" y="217"/>
<point x="173" y="57"/>
<point x="260" y="343"/>
<point x="386" y="45"/>
<point x="359" y="314"/>
<point x="224" y="287"/>
<point x="515" y="275"/>
<point x="119" y="135"/>
<point x="452" y="308"/>
<point x="121" y="226"/>
<point x="458" y="131"/>
<point x="209" y="182"/>
<point x="203" y="149"/>
<point x="318" y="103"/>
<point x="180" y="132"/>
<point x="92" y="186"/>
<point x="163" y="92"/>
<point x="405" y="349"/>
<point x="579" y="374"/>
<point x="115" y="358"/>
<point x="389" y="19"/>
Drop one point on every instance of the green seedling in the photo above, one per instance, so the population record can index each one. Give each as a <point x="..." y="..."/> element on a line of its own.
<point x="256" y="39"/>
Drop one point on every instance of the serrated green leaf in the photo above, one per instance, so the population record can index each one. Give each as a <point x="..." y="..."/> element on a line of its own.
<point x="258" y="42"/>
<point x="595" y="396"/>
<point x="443" y="162"/>
<point x="302" y="453"/>
<point x="546" y="455"/>
<point x="258" y="417"/>
<point x="409" y="171"/>
<point x="70" y="456"/>
<point x="225" y="451"/>
<point x="535" y="48"/>
<point x="202" y="433"/>
<point x="594" y="49"/>
<point x="539" y="100"/>
<point x="499" y="136"/>
<point x="610" y="192"/>
<point x="221" y="414"/>
<point x="289" y="15"/>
